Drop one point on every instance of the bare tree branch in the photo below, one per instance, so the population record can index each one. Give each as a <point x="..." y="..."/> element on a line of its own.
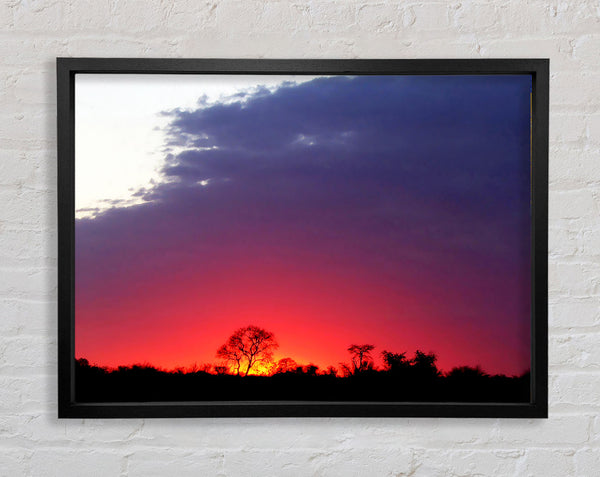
<point x="247" y="347"/>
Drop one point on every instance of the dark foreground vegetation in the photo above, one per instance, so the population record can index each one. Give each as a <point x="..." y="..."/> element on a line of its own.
<point x="248" y="372"/>
<point x="141" y="383"/>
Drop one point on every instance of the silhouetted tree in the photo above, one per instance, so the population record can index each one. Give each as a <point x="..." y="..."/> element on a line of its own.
<point x="310" y="369"/>
<point x="424" y="364"/>
<point x="231" y="355"/>
<point x="361" y="357"/>
<point x="205" y="368"/>
<point x="84" y="363"/>
<point x="248" y="346"/>
<point x="285" y="365"/>
<point x="466" y="373"/>
<point x="345" y="369"/>
<point x="395" y="362"/>
<point x="219" y="369"/>
<point x="331" y="371"/>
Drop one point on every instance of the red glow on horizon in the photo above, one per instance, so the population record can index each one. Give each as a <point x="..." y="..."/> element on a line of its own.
<point x="314" y="317"/>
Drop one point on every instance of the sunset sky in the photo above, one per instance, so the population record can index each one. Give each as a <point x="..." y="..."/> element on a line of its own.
<point x="389" y="210"/>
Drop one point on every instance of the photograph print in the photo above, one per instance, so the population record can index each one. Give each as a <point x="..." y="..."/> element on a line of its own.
<point x="307" y="238"/>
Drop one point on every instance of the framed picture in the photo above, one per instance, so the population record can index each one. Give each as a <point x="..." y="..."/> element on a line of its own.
<point x="302" y="237"/>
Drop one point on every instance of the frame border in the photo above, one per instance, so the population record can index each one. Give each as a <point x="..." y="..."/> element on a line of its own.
<point x="66" y="68"/>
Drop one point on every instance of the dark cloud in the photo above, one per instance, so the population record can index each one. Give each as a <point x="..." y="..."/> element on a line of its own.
<point x="439" y="153"/>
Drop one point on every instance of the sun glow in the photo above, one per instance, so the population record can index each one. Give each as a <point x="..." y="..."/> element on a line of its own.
<point x="258" y="369"/>
<point x="262" y="369"/>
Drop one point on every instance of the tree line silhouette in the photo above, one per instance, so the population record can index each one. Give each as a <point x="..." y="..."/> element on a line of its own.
<point x="247" y="371"/>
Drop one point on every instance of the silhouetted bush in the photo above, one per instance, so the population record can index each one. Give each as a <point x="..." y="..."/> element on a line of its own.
<point x="419" y="381"/>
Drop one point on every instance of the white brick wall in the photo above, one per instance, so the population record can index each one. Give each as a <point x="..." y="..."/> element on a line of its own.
<point x="34" y="442"/>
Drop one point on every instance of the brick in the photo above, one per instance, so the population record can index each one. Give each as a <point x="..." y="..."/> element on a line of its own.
<point x="436" y="47"/>
<point x="515" y="19"/>
<point x="88" y="15"/>
<point x="593" y="130"/>
<point x="564" y="242"/>
<point x="379" y="18"/>
<point x="472" y="16"/>
<point x="567" y="128"/>
<point x="572" y="204"/>
<point x="591" y="241"/>
<point x="122" y="47"/>
<point x="515" y="45"/>
<point x="431" y="16"/>
<point x="585" y="50"/>
<point x="573" y="314"/>
<point x="28" y="169"/>
<point x="65" y="462"/>
<point x="575" y="279"/>
<point x="574" y="165"/>
<point x="468" y="462"/>
<point x="557" y="430"/>
<point x="587" y="461"/>
<point x="20" y="126"/>
<point x="137" y="16"/>
<point x="33" y="352"/>
<point x="587" y="92"/>
<point x="576" y="388"/>
<point x="575" y="350"/>
<point x="595" y="430"/>
<point x="566" y="17"/>
<point x="6" y="15"/>
<point x="38" y="16"/>
<point x="33" y="283"/>
<point x="22" y="395"/>
<point x="27" y="317"/>
<point x="548" y="462"/>
<point x="36" y="50"/>
<point x="35" y="87"/>
<point x="362" y="461"/>
<point x="28" y="208"/>
<point x="178" y="15"/>
<point x="27" y="246"/>
<point x="15" y="462"/>
<point x="126" y="431"/>
<point x="333" y="16"/>
<point x="165" y="461"/>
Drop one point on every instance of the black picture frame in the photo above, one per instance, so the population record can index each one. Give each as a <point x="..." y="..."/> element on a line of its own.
<point x="68" y="407"/>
